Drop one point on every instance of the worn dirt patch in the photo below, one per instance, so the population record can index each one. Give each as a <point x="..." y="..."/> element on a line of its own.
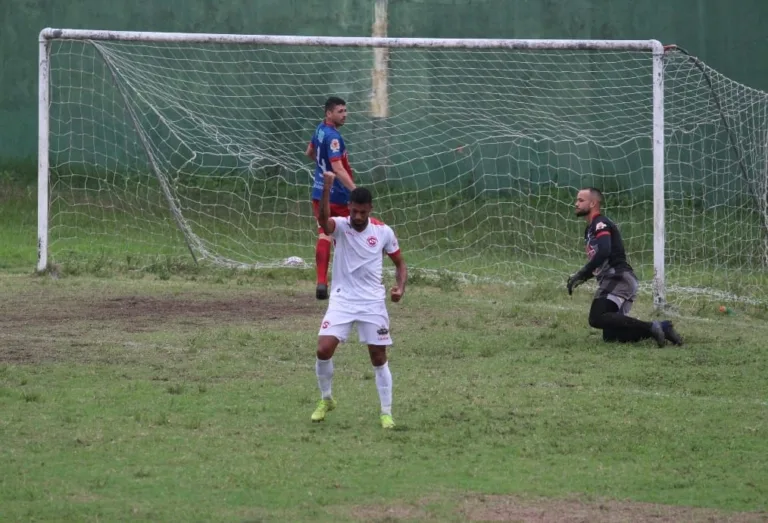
<point x="507" y="508"/>
<point x="143" y="309"/>
<point x="34" y="330"/>
<point x="389" y="513"/>
<point x="522" y="510"/>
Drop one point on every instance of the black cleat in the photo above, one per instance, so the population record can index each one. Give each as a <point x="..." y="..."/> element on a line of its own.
<point x="672" y="335"/>
<point x="657" y="332"/>
<point x="321" y="292"/>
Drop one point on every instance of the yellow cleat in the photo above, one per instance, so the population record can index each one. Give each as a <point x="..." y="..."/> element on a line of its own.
<point x="323" y="407"/>
<point x="387" y="422"/>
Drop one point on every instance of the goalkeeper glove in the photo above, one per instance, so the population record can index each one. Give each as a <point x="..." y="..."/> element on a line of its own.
<point x="576" y="280"/>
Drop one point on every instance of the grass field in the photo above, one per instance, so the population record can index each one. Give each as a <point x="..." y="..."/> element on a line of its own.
<point x="188" y="399"/>
<point x="184" y="394"/>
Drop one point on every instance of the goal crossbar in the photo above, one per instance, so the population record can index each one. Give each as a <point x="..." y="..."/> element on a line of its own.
<point x="345" y="41"/>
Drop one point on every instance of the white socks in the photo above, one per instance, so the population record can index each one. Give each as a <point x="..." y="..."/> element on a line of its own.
<point x="384" y="385"/>
<point x="324" y="371"/>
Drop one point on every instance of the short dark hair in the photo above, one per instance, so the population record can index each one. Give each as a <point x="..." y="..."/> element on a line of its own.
<point x="361" y="196"/>
<point x="597" y="193"/>
<point x="332" y="102"/>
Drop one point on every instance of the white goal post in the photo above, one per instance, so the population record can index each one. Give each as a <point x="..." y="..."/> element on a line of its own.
<point x="149" y="139"/>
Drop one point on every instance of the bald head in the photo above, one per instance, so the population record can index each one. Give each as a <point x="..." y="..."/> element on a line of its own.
<point x="588" y="201"/>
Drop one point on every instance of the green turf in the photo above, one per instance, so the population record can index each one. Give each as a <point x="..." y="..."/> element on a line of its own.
<point x="187" y="398"/>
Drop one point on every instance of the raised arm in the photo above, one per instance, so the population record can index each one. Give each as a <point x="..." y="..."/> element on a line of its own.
<point x="324" y="214"/>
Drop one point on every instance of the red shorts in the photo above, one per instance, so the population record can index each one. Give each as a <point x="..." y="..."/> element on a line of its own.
<point x="337" y="209"/>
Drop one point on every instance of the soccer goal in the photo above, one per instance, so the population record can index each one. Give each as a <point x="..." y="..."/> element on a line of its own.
<point x="169" y="146"/>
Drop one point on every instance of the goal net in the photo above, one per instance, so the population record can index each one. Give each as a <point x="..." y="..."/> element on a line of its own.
<point x="166" y="151"/>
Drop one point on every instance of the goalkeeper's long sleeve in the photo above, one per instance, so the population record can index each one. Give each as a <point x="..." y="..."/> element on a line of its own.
<point x="602" y="248"/>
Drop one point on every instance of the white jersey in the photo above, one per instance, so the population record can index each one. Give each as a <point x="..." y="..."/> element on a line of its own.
<point x="358" y="261"/>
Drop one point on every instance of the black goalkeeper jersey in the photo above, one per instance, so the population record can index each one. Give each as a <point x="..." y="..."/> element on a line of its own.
<point x="605" y="248"/>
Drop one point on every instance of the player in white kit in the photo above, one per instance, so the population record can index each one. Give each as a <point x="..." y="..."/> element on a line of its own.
<point x="357" y="294"/>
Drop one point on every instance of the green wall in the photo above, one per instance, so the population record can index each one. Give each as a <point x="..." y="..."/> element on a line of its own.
<point x="729" y="38"/>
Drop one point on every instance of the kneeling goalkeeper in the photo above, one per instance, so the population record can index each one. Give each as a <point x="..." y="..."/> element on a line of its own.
<point x="617" y="283"/>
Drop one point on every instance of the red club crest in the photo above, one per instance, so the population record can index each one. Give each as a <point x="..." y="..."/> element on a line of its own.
<point x="372" y="241"/>
<point x="325" y="325"/>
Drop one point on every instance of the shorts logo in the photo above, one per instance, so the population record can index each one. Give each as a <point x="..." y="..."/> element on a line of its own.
<point x="325" y="325"/>
<point x="372" y="241"/>
<point x="382" y="331"/>
<point x="335" y="145"/>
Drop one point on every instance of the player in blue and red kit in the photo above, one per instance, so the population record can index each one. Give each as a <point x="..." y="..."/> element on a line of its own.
<point x="329" y="153"/>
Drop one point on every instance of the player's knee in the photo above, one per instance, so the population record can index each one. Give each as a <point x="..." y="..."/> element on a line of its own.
<point x="596" y="319"/>
<point x="600" y="307"/>
<point x="326" y="346"/>
<point x="324" y="353"/>
<point x="378" y="355"/>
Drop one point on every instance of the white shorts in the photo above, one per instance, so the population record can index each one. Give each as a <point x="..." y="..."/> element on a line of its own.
<point x="372" y="321"/>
